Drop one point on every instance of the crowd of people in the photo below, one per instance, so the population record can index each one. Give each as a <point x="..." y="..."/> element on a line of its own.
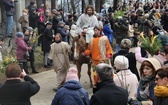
<point x="117" y="80"/>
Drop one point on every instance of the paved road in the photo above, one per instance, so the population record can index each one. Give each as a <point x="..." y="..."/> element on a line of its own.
<point x="47" y="80"/>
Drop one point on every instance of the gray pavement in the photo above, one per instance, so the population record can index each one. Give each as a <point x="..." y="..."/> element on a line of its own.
<point x="47" y="80"/>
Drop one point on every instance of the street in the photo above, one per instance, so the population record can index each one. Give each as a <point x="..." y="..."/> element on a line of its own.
<point x="46" y="81"/>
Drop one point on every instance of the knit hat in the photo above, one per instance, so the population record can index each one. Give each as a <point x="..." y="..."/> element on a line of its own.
<point x="40" y="10"/>
<point x="126" y="44"/>
<point x="54" y="10"/>
<point x="72" y="74"/>
<point x="32" y="3"/>
<point x="60" y="22"/>
<point x="48" y="23"/>
<point x="2" y="38"/>
<point x="29" y="28"/>
<point x="19" y="34"/>
<point x="121" y="62"/>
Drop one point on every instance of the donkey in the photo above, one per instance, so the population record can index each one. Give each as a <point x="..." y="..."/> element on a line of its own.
<point x="79" y="46"/>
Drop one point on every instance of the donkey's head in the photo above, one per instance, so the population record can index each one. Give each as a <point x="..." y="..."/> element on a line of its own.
<point x="78" y="44"/>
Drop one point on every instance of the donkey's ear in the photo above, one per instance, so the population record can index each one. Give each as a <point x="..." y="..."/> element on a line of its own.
<point x="79" y="36"/>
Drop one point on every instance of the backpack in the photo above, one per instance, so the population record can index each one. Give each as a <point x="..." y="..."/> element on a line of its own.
<point x="20" y="19"/>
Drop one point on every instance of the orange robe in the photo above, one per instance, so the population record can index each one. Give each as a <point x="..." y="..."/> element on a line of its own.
<point x="94" y="51"/>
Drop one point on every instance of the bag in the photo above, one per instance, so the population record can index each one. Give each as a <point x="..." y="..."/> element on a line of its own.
<point x="9" y="13"/>
<point x="26" y="55"/>
<point x="49" y="62"/>
<point x="134" y="102"/>
<point x="20" y="20"/>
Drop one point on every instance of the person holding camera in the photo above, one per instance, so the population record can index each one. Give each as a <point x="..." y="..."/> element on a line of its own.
<point x="15" y="92"/>
<point x="22" y="50"/>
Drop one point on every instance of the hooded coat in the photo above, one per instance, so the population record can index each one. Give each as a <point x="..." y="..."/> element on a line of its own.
<point x="148" y="84"/>
<point x="21" y="48"/>
<point x="71" y="93"/>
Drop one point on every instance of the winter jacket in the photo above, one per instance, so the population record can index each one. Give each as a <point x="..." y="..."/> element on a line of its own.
<point x="127" y="80"/>
<point x="131" y="59"/>
<point x="108" y="32"/>
<point x="9" y="6"/>
<point x="63" y="33"/>
<point x="160" y="101"/>
<point x="21" y="48"/>
<point x="47" y="39"/>
<point x="109" y="94"/>
<point x="71" y="93"/>
<point x="15" y="92"/>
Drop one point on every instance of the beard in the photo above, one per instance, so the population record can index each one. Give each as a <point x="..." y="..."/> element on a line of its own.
<point x="89" y="14"/>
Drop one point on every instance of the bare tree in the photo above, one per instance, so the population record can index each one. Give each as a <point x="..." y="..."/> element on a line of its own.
<point x="73" y="6"/>
<point x="90" y="2"/>
<point x="115" y="4"/>
<point x="83" y="6"/>
<point x="68" y="6"/>
<point x="97" y="5"/>
<point x="102" y="3"/>
<point x="3" y="19"/>
<point x="53" y="4"/>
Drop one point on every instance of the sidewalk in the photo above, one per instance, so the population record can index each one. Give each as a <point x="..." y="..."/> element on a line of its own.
<point x="47" y="80"/>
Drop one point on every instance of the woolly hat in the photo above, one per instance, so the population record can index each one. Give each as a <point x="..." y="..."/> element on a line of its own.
<point x="60" y="22"/>
<point x="54" y="10"/>
<point x="29" y="28"/>
<point x="2" y="38"/>
<point x="48" y="23"/>
<point x="72" y="74"/>
<point x="32" y="3"/>
<point x="19" y="34"/>
<point x="121" y="62"/>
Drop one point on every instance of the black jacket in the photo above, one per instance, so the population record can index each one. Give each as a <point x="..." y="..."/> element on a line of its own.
<point x="47" y="39"/>
<point x="15" y="92"/>
<point x="131" y="59"/>
<point x="160" y="101"/>
<point x="109" y="94"/>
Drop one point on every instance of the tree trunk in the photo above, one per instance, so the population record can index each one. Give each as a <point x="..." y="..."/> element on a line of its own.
<point x="39" y="2"/>
<point x="53" y="4"/>
<point x="73" y="6"/>
<point x="90" y="2"/>
<point x="68" y="7"/>
<point x="97" y="6"/>
<point x="115" y="3"/>
<point x="3" y="25"/>
<point x="83" y="6"/>
<point x="44" y="2"/>
<point x="101" y="4"/>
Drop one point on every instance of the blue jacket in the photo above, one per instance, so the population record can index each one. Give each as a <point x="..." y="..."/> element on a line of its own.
<point x="63" y="33"/>
<point x="108" y="32"/>
<point x="9" y="6"/>
<point x="71" y="93"/>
